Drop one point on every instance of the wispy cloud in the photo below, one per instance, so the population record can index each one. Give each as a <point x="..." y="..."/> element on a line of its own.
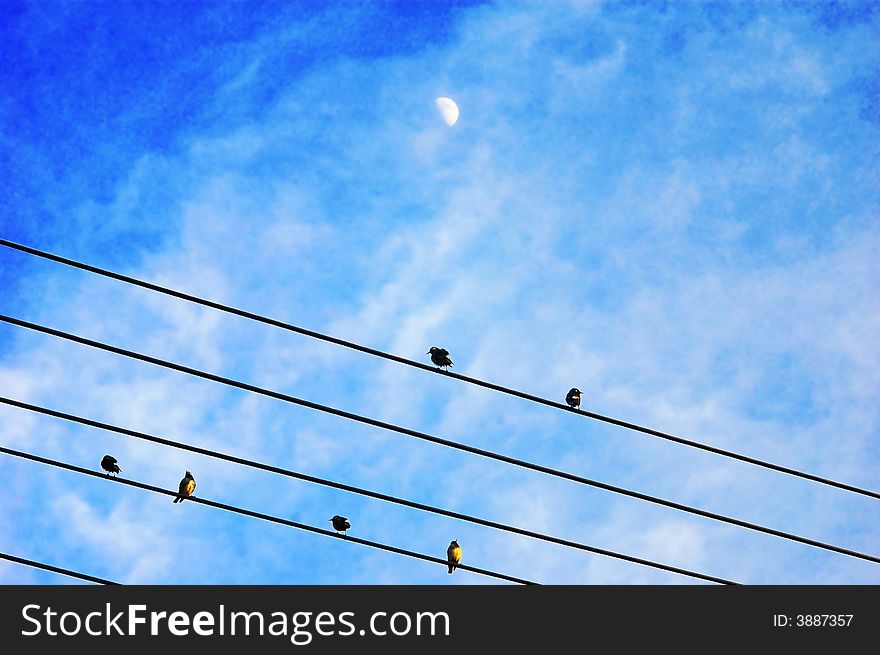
<point x="675" y="216"/>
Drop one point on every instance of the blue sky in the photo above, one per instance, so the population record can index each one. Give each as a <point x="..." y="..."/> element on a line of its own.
<point x="672" y="206"/>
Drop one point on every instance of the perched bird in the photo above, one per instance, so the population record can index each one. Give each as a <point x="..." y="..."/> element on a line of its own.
<point x="186" y="488"/>
<point x="453" y="555"/>
<point x="440" y="357"/>
<point x="110" y="464"/>
<point x="573" y="397"/>
<point x="340" y="523"/>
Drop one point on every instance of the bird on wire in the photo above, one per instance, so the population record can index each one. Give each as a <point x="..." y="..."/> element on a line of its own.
<point x="109" y="464"/>
<point x="573" y="397"/>
<point x="453" y="555"/>
<point x="340" y="524"/>
<point x="186" y="487"/>
<point x="440" y="357"/>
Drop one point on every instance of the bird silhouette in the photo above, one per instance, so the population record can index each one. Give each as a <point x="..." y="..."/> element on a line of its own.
<point x="440" y="357"/>
<point x="109" y="464"/>
<point x="573" y="397"/>
<point x="186" y="488"/>
<point x="453" y="555"/>
<point x="340" y="524"/>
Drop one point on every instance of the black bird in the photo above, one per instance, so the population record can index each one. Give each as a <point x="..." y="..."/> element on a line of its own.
<point x="110" y="465"/>
<point x="440" y="357"/>
<point x="573" y="397"/>
<point x="340" y="523"/>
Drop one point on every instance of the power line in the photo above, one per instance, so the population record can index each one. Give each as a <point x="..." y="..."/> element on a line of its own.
<point x="439" y="440"/>
<point x="260" y="515"/>
<point x="357" y="490"/>
<point x="55" y="569"/>
<point x="425" y="367"/>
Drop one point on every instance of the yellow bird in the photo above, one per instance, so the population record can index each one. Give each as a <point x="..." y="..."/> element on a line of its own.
<point x="186" y="488"/>
<point x="453" y="555"/>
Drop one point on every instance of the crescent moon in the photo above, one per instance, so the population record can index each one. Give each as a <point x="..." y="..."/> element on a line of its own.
<point x="448" y="110"/>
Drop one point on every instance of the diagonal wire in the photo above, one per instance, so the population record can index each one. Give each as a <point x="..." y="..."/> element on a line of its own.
<point x="357" y="490"/>
<point x="439" y="440"/>
<point x="260" y="515"/>
<point x="425" y="367"/>
<point x="55" y="569"/>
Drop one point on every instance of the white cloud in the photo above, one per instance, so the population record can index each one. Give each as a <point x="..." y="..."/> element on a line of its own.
<point x="561" y="235"/>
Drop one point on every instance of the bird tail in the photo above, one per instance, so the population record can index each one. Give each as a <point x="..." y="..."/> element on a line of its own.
<point x="177" y="499"/>
<point x="451" y="567"/>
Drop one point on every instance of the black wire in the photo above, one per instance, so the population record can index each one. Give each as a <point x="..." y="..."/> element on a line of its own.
<point x="425" y="367"/>
<point x="55" y="569"/>
<point x="357" y="490"/>
<point x="427" y="437"/>
<point x="259" y="515"/>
